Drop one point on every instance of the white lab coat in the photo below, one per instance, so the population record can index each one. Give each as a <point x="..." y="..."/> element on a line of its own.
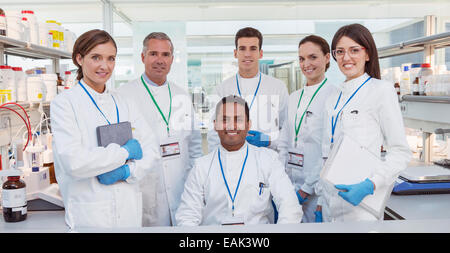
<point x="372" y="118"/>
<point x="309" y="142"/>
<point x="78" y="159"/>
<point x="205" y="200"/>
<point x="163" y="187"/>
<point x="269" y="110"/>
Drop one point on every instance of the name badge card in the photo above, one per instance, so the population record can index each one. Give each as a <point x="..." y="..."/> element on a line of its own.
<point x="233" y="220"/>
<point x="295" y="158"/>
<point x="170" y="149"/>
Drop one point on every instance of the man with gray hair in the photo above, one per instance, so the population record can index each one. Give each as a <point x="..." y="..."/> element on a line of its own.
<point x="168" y="110"/>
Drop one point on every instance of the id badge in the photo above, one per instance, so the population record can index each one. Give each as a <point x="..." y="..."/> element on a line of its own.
<point x="295" y="158"/>
<point x="170" y="149"/>
<point x="233" y="220"/>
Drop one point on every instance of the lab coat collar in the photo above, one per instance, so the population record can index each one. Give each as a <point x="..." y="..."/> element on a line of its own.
<point x="352" y="85"/>
<point x="313" y="88"/>
<point x="150" y="82"/>
<point x="94" y="92"/>
<point x="242" y="149"/>
<point x="256" y="76"/>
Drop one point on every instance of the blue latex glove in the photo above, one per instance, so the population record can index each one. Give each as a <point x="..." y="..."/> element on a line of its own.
<point x="300" y="199"/>
<point x="319" y="217"/>
<point x="121" y="173"/>
<point x="134" y="149"/>
<point x="355" y="193"/>
<point x="258" y="139"/>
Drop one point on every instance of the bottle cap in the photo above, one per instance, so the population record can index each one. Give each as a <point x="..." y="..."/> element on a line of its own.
<point x="24" y="19"/>
<point x="426" y="65"/>
<point x="67" y="73"/>
<point x="405" y="68"/>
<point x="416" y="65"/>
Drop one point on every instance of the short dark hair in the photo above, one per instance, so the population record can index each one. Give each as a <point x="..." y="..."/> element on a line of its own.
<point x="233" y="99"/>
<point x="248" y="32"/>
<point x="361" y="35"/>
<point x="321" y="42"/>
<point x="86" y="42"/>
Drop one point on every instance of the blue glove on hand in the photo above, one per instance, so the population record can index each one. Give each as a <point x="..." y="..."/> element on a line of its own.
<point x="355" y="193"/>
<point x="319" y="218"/>
<point x="121" y="173"/>
<point x="134" y="149"/>
<point x="258" y="139"/>
<point x="300" y="199"/>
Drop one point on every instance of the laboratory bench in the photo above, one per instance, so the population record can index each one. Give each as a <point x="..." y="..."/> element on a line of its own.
<point x="53" y="222"/>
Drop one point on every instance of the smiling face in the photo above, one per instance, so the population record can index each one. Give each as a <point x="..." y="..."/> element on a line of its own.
<point x="248" y="54"/>
<point x="157" y="59"/>
<point x="312" y="62"/>
<point x="232" y="126"/>
<point x="352" y="63"/>
<point x="98" y="65"/>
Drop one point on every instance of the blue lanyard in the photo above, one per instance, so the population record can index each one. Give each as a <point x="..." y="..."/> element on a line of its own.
<point x="93" y="101"/>
<point x="256" y="91"/>
<point x="334" y="121"/>
<point x="225" y="180"/>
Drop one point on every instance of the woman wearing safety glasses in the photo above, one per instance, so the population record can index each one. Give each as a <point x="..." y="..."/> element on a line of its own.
<point x="367" y="110"/>
<point x="302" y="138"/>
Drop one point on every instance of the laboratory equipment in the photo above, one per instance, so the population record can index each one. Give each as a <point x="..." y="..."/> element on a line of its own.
<point x="423" y="180"/>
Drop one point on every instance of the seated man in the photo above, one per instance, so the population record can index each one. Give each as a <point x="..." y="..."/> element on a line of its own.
<point x="235" y="183"/>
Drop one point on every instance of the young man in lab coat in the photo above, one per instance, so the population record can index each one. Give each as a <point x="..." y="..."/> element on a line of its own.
<point x="168" y="110"/>
<point x="236" y="182"/>
<point x="266" y="96"/>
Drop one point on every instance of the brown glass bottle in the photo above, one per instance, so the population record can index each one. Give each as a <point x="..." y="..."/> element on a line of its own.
<point x="14" y="200"/>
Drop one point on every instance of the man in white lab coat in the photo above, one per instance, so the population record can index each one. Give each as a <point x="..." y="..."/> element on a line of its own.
<point x="236" y="182"/>
<point x="266" y="96"/>
<point x="169" y="111"/>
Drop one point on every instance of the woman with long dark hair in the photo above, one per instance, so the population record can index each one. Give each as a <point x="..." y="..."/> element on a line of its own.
<point x="367" y="110"/>
<point x="302" y="137"/>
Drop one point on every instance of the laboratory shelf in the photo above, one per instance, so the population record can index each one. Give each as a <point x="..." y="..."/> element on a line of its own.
<point x="26" y="49"/>
<point x="426" y="113"/>
<point x="440" y="40"/>
<point x="427" y="99"/>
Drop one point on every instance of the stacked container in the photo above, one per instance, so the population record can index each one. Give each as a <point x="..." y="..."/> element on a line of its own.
<point x="21" y="84"/>
<point x="14" y="25"/>
<point x="7" y="84"/>
<point x="50" y="85"/>
<point x="34" y="26"/>
<point x="35" y="89"/>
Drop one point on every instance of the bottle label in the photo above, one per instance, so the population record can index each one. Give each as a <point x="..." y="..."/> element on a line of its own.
<point x="14" y="198"/>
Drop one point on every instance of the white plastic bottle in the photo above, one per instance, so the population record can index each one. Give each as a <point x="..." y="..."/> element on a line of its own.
<point x="14" y="26"/>
<point x="34" y="26"/>
<point x="35" y="89"/>
<point x="26" y="29"/>
<point x="50" y="85"/>
<point x="2" y="23"/>
<point x="21" y="83"/>
<point x="405" y="82"/>
<point x="68" y="80"/>
<point x="425" y="75"/>
<point x="7" y="83"/>
<point x="54" y="29"/>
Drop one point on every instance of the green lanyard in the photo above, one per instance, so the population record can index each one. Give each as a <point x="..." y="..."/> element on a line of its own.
<point x="157" y="106"/>
<point x="297" y="127"/>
